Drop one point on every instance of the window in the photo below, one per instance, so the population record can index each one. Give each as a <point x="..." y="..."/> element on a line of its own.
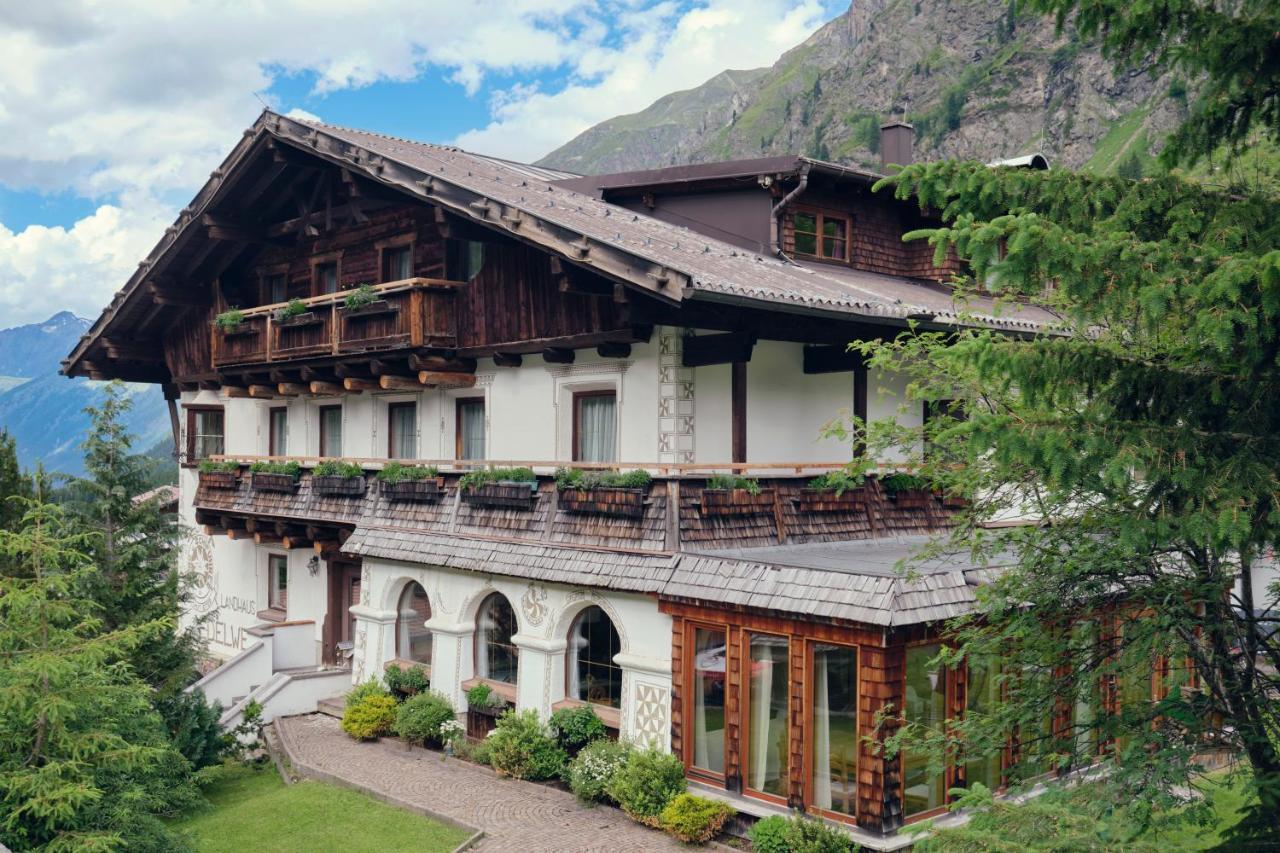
<point x="463" y="259"/>
<point x="278" y="582"/>
<point x="835" y="729"/>
<point x="497" y="657"/>
<point x="709" y="664"/>
<point x="277" y="288"/>
<point x="768" y="744"/>
<point x="470" y="428"/>
<point x="821" y="235"/>
<point x="413" y="637"/>
<point x="983" y="694"/>
<point x="205" y="433"/>
<point x="925" y="705"/>
<point x="593" y="643"/>
<point x="402" y="433"/>
<point x="397" y="263"/>
<point x="331" y="431"/>
<point x="278" y="431"/>
<point x="326" y="278"/>
<point x="595" y="426"/>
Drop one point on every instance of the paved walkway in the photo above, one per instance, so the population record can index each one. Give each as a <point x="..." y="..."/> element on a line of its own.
<point x="515" y="816"/>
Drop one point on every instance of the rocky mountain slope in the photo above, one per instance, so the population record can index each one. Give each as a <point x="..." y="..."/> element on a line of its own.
<point x="976" y="80"/>
<point x="44" y="411"/>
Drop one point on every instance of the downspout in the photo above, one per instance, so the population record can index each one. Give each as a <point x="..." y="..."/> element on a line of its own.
<point x="775" y="220"/>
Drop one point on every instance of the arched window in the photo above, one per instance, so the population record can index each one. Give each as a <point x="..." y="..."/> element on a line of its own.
<point x="497" y="658"/>
<point x="593" y="643"/>
<point x="413" y="638"/>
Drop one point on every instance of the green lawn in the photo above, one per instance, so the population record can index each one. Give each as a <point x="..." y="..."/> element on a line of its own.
<point x="254" y="810"/>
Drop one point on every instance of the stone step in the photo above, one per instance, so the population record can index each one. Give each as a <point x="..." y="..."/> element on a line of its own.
<point x="332" y="706"/>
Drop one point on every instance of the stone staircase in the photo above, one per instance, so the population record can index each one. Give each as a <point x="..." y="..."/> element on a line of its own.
<point x="333" y="706"/>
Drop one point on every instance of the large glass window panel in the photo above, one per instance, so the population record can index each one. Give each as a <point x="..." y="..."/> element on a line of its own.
<point x="497" y="657"/>
<point x="835" y="729"/>
<point x="331" y="431"/>
<point x="279" y="432"/>
<point x="327" y="278"/>
<point x="277" y="288"/>
<point x="403" y="429"/>
<point x="278" y="582"/>
<point x="926" y="705"/>
<point x="471" y="429"/>
<point x="806" y="228"/>
<point x="983" y="692"/>
<point x="768" y="731"/>
<point x="709" y="665"/>
<point x="593" y="643"/>
<point x="413" y="638"/>
<point x="397" y="264"/>
<point x="597" y="427"/>
<point x="208" y="438"/>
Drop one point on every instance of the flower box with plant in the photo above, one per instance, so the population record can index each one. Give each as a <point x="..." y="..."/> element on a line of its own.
<point x="400" y="482"/>
<point x="505" y="488"/>
<point x="295" y="313"/>
<point x="275" y="476"/>
<point x="484" y="699"/>
<point x="363" y="301"/>
<point x="728" y="494"/>
<point x="834" y="491"/>
<point x="602" y="492"/>
<point x="231" y="322"/>
<point x="219" y="475"/>
<point x="341" y="479"/>
<point x="909" y="491"/>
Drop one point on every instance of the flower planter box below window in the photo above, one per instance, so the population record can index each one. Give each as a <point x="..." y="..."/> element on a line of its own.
<point x="502" y="495"/>
<point x="628" y="503"/>
<point x="373" y="309"/>
<point x="954" y="501"/>
<point x="243" y="330"/>
<point x="419" y="491"/>
<point x="729" y="502"/>
<point x="334" y="486"/>
<point x="220" y="479"/>
<point x="826" y="500"/>
<point x="263" y="482"/>
<point x="310" y="318"/>
<point x="914" y="499"/>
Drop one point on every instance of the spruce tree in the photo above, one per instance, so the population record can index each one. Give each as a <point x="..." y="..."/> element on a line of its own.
<point x="84" y="759"/>
<point x="13" y="483"/>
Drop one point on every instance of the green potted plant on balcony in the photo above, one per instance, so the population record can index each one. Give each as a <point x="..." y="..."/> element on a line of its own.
<point x="602" y="492"/>
<point x="909" y="491"/>
<point x="219" y="475"/>
<point x="230" y="321"/>
<point x="334" y="478"/>
<point x="841" y="490"/>
<point x="731" y="494"/>
<point x="275" y="476"/>
<point x="294" y="313"/>
<point x="363" y="301"/>
<point x="400" y="482"/>
<point x="500" y="488"/>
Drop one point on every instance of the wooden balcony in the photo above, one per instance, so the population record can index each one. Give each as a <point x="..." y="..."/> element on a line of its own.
<point x="415" y="312"/>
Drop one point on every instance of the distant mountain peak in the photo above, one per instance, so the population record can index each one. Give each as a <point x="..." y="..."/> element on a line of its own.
<point x="60" y="321"/>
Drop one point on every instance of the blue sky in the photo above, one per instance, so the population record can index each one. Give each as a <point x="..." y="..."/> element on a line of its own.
<point x="112" y="115"/>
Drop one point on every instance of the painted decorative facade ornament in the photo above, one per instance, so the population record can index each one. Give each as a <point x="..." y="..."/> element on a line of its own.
<point x="675" y="399"/>
<point x="198" y="558"/>
<point x="365" y="587"/>
<point x="534" y="605"/>
<point x="650" y="713"/>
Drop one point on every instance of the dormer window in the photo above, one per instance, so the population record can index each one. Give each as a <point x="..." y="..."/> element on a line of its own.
<point x="822" y="235"/>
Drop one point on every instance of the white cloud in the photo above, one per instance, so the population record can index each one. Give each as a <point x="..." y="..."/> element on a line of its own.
<point x="134" y="102"/>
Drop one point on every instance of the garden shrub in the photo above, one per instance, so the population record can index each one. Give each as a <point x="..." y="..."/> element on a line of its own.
<point x="574" y="728"/>
<point x="644" y="785"/>
<point x="370" y="717"/>
<point x="769" y="835"/>
<point x="421" y="717"/>
<point x="477" y="751"/>
<point x="798" y="834"/>
<point x="694" y="820"/>
<point x="405" y="682"/>
<point x="521" y="748"/>
<point x="589" y="773"/>
<point x="484" y="696"/>
<point x="372" y="687"/>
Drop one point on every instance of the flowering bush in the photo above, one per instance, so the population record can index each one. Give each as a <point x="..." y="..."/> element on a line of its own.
<point x="590" y="771"/>
<point x="452" y="731"/>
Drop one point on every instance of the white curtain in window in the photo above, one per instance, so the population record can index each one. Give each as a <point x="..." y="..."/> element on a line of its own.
<point x="332" y="432"/>
<point x="597" y="428"/>
<point x="821" y="733"/>
<point x="404" y="443"/>
<point x="472" y="428"/>
<point x="761" y="692"/>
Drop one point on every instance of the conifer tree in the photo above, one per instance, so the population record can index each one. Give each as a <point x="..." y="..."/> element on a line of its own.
<point x="84" y="759"/>
<point x="13" y="483"/>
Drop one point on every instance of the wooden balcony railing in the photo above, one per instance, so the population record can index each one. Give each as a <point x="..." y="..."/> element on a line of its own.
<point x="415" y="312"/>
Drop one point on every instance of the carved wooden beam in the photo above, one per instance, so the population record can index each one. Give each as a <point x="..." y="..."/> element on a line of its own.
<point x="265" y="539"/>
<point x="262" y="392"/>
<point x="507" y="359"/>
<point x="292" y="389"/>
<point x="558" y="355"/>
<point x="439" y="362"/>
<point x="727" y="348"/>
<point x="235" y="392"/>
<point x="446" y="379"/>
<point x="291" y="543"/>
<point x="328" y="389"/>
<point x="352" y="383"/>
<point x="390" y="382"/>
<point x="613" y="350"/>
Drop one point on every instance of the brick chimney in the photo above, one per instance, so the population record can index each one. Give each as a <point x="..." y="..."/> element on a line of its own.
<point x="896" y="138"/>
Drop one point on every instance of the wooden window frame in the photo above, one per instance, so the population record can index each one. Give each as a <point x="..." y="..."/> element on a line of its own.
<point x="949" y="766"/>
<point x="687" y="745"/>
<point x="191" y="458"/>
<point x="457" y="422"/>
<point x="265" y="274"/>
<point x="273" y="561"/>
<point x="822" y="215"/>
<point x="578" y="397"/>
<point x="318" y="261"/>
<point x="744" y="722"/>
<point x="321" y="411"/>
<point x="807" y="731"/>
<point x="391" y="436"/>
<point x="402" y="241"/>
<point x="272" y="411"/>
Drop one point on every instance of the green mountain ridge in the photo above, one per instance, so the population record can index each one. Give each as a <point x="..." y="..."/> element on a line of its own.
<point x="976" y="80"/>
